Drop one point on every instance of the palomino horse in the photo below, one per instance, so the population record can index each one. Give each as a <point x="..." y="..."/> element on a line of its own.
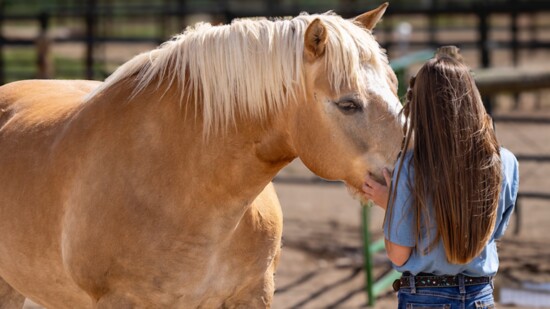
<point x="152" y="189"/>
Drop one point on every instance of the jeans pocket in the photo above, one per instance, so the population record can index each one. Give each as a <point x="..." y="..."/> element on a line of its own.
<point x="428" y="306"/>
<point x="484" y="304"/>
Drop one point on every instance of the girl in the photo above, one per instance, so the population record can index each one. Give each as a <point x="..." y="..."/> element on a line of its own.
<point x="451" y="195"/>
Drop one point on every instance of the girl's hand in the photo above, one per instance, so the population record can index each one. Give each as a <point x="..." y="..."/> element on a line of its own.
<point x="376" y="191"/>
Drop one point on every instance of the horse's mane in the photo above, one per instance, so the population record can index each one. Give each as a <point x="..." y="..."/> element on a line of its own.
<point x="249" y="67"/>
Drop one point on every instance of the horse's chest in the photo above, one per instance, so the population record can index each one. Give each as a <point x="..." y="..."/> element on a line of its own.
<point x="238" y="261"/>
<point x="185" y="267"/>
<point x="241" y="263"/>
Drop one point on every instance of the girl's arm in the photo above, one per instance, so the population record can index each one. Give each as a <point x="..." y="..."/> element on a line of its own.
<point x="397" y="254"/>
<point x="379" y="193"/>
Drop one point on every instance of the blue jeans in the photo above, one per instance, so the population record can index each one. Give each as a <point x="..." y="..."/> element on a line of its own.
<point x="465" y="297"/>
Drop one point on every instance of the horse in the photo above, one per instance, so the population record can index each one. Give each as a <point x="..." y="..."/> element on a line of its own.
<point x="152" y="189"/>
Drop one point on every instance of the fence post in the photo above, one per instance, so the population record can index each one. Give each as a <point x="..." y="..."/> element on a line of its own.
<point x="2" y="64"/>
<point x="366" y="254"/>
<point x="43" y="43"/>
<point x="90" y="38"/>
<point x="432" y="24"/>
<point x="372" y="287"/>
<point x="180" y="13"/>
<point x="514" y="34"/>
<point x="483" y="45"/>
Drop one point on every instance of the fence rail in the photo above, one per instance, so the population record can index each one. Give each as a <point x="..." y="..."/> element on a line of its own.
<point x="92" y="14"/>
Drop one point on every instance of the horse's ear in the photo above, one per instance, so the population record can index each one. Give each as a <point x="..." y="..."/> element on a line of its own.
<point x="315" y="40"/>
<point x="371" y="18"/>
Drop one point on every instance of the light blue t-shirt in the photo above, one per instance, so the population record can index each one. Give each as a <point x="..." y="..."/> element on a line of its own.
<point x="435" y="262"/>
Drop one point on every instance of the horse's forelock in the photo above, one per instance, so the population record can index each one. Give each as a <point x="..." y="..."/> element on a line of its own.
<point x="350" y="53"/>
<point x="250" y="67"/>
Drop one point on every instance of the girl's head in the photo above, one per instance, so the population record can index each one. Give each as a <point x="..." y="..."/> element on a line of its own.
<point x="455" y="156"/>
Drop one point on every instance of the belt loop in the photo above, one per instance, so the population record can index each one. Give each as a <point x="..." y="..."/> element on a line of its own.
<point x="412" y="283"/>
<point x="492" y="282"/>
<point x="461" y="285"/>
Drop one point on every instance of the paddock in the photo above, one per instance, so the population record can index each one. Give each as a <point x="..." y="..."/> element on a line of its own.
<point x="322" y="256"/>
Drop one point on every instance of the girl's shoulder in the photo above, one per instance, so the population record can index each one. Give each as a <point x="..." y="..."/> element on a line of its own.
<point x="404" y="160"/>
<point x="509" y="163"/>
<point x="507" y="155"/>
<point x="510" y="175"/>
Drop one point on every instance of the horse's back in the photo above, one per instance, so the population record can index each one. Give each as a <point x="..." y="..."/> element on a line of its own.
<point x="33" y="86"/>
<point x="33" y="118"/>
<point x="41" y="102"/>
<point x="34" y="90"/>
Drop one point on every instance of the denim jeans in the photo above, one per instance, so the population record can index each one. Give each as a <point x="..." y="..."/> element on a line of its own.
<point x="464" y="297"/>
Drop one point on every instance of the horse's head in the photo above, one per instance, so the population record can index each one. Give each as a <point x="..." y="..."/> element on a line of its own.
<point x="236" y="77"/>
<point x="350" y="124"/>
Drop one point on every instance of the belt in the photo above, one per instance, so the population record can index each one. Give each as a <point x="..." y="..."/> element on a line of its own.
<point x="432" y="281"/>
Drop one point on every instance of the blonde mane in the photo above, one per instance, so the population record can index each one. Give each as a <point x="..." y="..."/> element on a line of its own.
<point x="249" y="67"/>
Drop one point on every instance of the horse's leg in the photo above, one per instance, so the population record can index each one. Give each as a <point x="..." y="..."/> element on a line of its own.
<point x="258" y="295"/>
<point x="267" y="287"/>
<point x="265" y="212"/>
<point x="9" y="297"/>
<point x="269" y="279"/>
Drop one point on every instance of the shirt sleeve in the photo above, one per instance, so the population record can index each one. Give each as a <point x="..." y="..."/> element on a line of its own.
<point x="509" y="192"/>
<point x="399" y="222"/>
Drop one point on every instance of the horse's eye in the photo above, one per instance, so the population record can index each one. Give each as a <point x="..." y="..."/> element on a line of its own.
<point x="349" y="106"/>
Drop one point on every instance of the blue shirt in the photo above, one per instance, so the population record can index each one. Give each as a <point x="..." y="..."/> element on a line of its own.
<point x="403" y="226"/>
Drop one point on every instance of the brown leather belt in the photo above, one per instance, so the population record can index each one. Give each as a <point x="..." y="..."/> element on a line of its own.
<point x="432" y="281"/>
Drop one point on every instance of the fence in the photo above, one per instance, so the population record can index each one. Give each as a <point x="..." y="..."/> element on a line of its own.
<point x="495" y="81"/>
<point x="99" y="19"/>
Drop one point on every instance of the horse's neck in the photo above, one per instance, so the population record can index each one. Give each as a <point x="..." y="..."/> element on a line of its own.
<point x="239" y="163"/>
<point x="178" y="163"/>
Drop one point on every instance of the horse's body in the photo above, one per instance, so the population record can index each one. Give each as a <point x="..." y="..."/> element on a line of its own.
<point x="121" y="198"/>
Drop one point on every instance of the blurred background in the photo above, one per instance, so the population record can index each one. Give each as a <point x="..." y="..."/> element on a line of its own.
<point x="506" y="42"/>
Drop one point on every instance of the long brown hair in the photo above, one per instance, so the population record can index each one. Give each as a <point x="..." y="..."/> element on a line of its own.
<point x="456" y="159"/>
